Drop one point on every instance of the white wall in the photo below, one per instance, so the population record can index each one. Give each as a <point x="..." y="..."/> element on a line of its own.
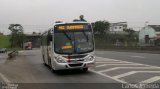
<point x="146" y="31"/>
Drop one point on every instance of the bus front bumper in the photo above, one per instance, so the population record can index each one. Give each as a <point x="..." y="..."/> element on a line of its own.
<point x="61" y="66"/>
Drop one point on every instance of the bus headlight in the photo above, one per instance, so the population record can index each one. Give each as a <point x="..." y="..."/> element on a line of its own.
<point x="91" y="58"/>
<point x="60" y="60"/>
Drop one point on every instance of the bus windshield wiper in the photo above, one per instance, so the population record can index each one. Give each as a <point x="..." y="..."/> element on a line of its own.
<point x="85" y="35"/>
<point x="69" y="39"/>
<point x="67" y="35"/>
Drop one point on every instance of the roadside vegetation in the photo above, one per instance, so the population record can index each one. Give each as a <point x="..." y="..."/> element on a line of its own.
<point x="4" y="41"/>
<point x="14" y="41"/>
<point x="128" y="40"/>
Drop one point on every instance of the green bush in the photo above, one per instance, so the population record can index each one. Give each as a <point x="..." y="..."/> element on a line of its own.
<point x="4" y="41"/>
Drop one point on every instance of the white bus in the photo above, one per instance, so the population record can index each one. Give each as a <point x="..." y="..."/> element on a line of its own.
<point x="69" y="46"/>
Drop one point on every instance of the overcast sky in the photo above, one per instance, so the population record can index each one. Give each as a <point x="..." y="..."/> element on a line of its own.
<point x="46" y="12"/>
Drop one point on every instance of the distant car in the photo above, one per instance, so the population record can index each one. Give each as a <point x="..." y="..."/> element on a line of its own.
<point x="3" y="50"/>
<point x="28" y="45"/>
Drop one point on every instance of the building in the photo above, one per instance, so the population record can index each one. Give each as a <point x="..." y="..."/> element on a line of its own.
<point x="118" y="27"/>
<point x="149" y="35"/>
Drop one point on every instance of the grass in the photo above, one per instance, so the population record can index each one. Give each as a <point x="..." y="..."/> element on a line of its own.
<point x="4" y="41"/>
<point x="12" y="49"/>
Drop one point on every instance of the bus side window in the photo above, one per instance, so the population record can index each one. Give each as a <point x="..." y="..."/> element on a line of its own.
<point x="49" y="37"/>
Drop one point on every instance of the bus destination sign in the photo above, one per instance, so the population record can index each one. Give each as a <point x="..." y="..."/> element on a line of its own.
<point x="72" y="27"/>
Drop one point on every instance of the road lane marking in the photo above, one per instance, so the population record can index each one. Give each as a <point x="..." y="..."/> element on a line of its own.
<point x="138" y="56"/>
<point x="101" y="65"/>
<point x="4" y="78"/>
<point x="151" y="80"/>
<point x="118" y="64"/>
<point x="116" y="68"/>
<point x="113" y="62"/>
<point x="125" y="61"/>
<point x="118" y="80"/>
<point x="146" y="66"/>
<point x="107" y="60"/>
<point x="102" y="58"/>
<point x="133" y="72"/>
<point x="124" y="75"/>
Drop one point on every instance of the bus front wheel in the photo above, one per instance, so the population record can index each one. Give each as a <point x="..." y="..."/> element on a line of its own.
<point x="51" y="66"/>
<point x="85" y="69"/>
<point x="44" y="60"/>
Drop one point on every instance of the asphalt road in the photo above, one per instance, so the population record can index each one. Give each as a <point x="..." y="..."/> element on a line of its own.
<point x="112" y="69"/>
<point x="144" y="58"/>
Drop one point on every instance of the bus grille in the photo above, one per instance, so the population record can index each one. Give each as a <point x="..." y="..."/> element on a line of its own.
<point x="75" y="56"/>
<point x="76" y="60"/>
<point x="75" y="65"/>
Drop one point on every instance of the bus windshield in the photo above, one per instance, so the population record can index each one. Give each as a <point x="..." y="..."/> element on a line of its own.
<point x="75" y="41"/>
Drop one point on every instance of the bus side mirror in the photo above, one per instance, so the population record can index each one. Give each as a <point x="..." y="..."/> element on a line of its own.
<point x="50" y="37"/>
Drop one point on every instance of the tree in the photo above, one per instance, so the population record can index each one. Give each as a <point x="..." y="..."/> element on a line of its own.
<point x="34" y="33"/>
<point x="131" y="37"/>
<point x="129" y="30"/>
<point x="17" y="35"/>
<point x="101" y="27"/>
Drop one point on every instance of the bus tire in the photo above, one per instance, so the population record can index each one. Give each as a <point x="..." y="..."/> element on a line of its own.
<point x="44" y="61"/>
<point x="45" y="64"/>
<point x="85" y="69"/>
<point x="54" y="71"/>
<point x="43" y="58"/>
<point x="51" y="66"/>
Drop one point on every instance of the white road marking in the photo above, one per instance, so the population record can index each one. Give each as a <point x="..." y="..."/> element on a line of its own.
<point x="125" y="74"/>
<point x="4" y="78"/>
<point x="118" y="80"/>
<point x="151" y="80"/>
<point x="138" y="56"/>
<point x="108" y="59"/>
<point x="119" y="64"/>
<point x="133" y="72"/>
<point x="113" y="62"/>
<point x="100" y="65"/>
<point x="126" y="61"/>
<point x="104" y="60"/>
<point x="116" y="68"/>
